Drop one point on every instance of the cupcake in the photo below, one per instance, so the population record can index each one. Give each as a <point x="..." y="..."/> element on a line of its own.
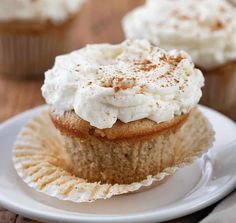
<point x="32" y="33"/>
<point x="206" y="29"/>
<point x="121" y="109"/>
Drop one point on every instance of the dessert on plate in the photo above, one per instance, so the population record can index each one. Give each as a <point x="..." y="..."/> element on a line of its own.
<point x="206" y="29"/>
<point x="32" y="33"/>
<point x="122" y="117"/>
<point x="119" y="107"/>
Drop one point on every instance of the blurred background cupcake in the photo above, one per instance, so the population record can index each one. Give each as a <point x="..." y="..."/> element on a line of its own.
<point x="206" y="29"/>
<point x="33" y="32"/>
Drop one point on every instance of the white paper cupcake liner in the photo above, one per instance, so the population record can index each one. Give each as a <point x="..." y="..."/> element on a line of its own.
<point x="41" y="161"/>
<point x="27" y="56"/>
<point x="29" y="53"/>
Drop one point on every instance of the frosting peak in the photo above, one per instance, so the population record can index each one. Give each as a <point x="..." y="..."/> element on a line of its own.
<point x="128" y="81"/>
<point x="206" y="29"/>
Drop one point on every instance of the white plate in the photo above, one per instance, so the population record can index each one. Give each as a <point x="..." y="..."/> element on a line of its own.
<point x="190" y="189"/>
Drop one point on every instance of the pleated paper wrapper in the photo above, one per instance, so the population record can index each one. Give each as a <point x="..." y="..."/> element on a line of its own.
<point x="41" y="161"/>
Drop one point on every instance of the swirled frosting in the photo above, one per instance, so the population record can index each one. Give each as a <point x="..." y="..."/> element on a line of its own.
<point x="206" y="29"/>
<point x="129" y="81"/>
<point x="38" y="10"/>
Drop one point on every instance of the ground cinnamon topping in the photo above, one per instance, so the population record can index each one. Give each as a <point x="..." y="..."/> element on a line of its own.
<point x="142" y="89"/>
<point x="116" y="88"/>
<point x="172" y="60"/>
<point x="217" y="26"/>
<point x="129" y="72"/>
<point x="118" y="83"/>
<point x="145" y="65"/>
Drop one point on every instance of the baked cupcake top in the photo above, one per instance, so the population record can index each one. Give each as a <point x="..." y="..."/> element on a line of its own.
<point x="206" y="29"/>
<point x="129" y="81"/>
<point x="55" y="11"/>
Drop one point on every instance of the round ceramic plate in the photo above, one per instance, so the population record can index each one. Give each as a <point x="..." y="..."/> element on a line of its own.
<point x="192" y="188"/>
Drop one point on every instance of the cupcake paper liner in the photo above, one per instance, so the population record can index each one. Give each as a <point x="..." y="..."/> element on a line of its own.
<point x="40" y="159"/>
<point x="28" y="54"/>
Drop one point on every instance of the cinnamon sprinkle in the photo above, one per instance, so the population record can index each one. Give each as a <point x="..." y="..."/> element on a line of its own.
<point x="217" y="26"/>
<point x="116" y="88"/>
<point x="171" y="60"/>
<point x="145" y="65"/>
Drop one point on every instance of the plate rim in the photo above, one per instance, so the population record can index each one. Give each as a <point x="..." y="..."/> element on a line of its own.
<point x="173" y="212"/>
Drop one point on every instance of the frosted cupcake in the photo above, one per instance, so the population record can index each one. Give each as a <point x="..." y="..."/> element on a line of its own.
<point x="32" y="33"/>
<point x="120" y="109"/>
<point x="206" y="29"/>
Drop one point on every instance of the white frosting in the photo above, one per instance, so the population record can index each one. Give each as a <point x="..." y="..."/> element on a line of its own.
<point x="40" y="10"/>
<point x="206" y="29"/>
<point x="129" y="81"/>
